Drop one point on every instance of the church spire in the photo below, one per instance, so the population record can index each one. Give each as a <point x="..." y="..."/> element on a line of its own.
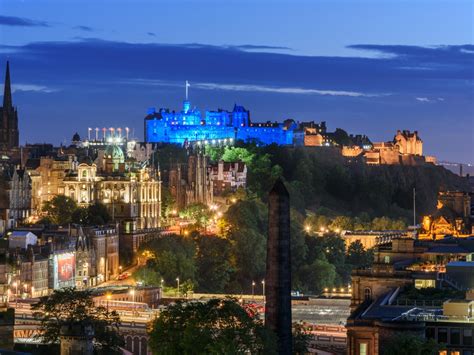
<point x="7" y="93"/>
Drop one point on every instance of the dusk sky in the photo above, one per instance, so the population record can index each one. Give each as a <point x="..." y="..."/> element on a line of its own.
<point x="370" y="67"/>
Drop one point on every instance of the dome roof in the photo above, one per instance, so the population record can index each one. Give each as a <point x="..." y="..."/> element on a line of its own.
<point x="114" y="152"/>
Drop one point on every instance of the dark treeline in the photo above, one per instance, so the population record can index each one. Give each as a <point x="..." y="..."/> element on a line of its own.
<point x="321" y="180"/>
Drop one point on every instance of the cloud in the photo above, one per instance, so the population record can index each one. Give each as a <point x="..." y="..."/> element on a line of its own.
<point x="252" y="88"/>
<point x="259" y="47"/>
<point x="152" y="34"/>
<point x="422" y="99"/>
<point x="84" y="28"/>
<point x="32" y="87"/>
<point x="22" y="22"/>
<point x="281" y="90"/>
<point x="426" y="99"/>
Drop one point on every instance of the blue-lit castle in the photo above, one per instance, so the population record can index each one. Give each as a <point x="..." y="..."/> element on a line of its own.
<point x="190" y="125"/>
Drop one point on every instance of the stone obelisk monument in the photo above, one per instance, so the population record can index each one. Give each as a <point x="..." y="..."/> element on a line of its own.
<point x="278" y="276"/>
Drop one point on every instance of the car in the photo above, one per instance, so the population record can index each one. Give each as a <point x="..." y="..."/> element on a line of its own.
<point x="123" y="276"/>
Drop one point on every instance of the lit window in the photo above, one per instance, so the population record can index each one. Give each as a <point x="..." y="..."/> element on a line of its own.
<point x="367" y="294"/>
<point x="363" y="349"/>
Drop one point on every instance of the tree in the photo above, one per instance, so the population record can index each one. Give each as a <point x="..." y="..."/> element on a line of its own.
<point x="69" y="306"/>
<point x="214" y="327"/>
<point x="318" y="275"/>
<point x="173" y="256"/>
<point x="97" y="214"/>
<point x="148" y="275"/>
<point x="213" y="263"/>
<point x="410" y="344"/>
<point x="301" y="339"/>
<point x="341" y="223"/>
<point x="358" y="257"/>
<point x="199" y="213"/>
<point x="93" y="215"/>
<point x="60" y="209"/>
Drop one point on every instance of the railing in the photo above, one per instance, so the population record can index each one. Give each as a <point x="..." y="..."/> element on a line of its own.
<point x="418" y="303"/>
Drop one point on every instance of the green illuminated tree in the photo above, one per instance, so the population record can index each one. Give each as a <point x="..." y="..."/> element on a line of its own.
<point x="358" y="257"/>
<point x="60" y="209"/>
<point x="214" y="327"/>
<point x="67" y="307"/>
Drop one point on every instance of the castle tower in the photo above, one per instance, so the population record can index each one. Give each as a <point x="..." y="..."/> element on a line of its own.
<point x="9" y="135"/>
<point x="278" y="275"/>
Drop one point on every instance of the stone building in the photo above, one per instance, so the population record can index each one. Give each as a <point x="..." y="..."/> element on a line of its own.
<point x="86" y="268"/>
<point x="47" y="178"/>
<point x="15" y="196"/>
<point x="377" y="315"/>
<point x="227" y="176"/>
<point x="452" y="216"/>
<point x="105" y="244"/>
<point x="76" y="338"/>
<point x="131" y="192"/>
<point x="191" y="183"/>
<point x="408" y="143"/>
<point x="406" y="148"/>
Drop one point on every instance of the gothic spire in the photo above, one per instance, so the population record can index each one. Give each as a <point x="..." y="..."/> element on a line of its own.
<point x="7" y="93"/>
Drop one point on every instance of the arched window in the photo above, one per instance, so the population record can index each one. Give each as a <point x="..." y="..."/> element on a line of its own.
<point x="144" y="347"/>
<point x="129" y="343"/>
<point x="367" y="294"/>
<point x="136" y="346"/>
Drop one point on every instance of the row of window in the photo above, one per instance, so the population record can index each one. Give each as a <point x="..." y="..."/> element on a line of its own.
<point x="451" y="336"/>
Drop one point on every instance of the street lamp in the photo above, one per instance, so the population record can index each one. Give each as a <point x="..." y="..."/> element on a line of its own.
<point x="108" y="297"/>
<point x="162" y="282"/>
<point x="15" y="284"/>
<point x="32" y="291"/>
<point x="253" y="290"/>
<point x="263" y="290"/>
<point x="177" y="280"/>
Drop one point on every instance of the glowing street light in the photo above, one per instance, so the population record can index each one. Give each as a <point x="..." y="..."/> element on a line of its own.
<point x="263" y="291"/>
<point x="253" y="289"/>
<point x="307" y="228"/>
<point x="15" y="284"/>
<point x="177" y="280"/>
<point x="108" y="296"/>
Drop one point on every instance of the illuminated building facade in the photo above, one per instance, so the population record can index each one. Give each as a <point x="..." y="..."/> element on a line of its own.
<point x="15" y="197"/>
<point x="47" y="177"/>
<point x="131" y="192"/>
<point x="227" y="176"/>
<point x="189" y="125"/>
<point x="452" y="216"/>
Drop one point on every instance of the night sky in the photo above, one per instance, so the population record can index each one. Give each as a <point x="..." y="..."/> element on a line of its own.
<point x="369" y="67"/>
